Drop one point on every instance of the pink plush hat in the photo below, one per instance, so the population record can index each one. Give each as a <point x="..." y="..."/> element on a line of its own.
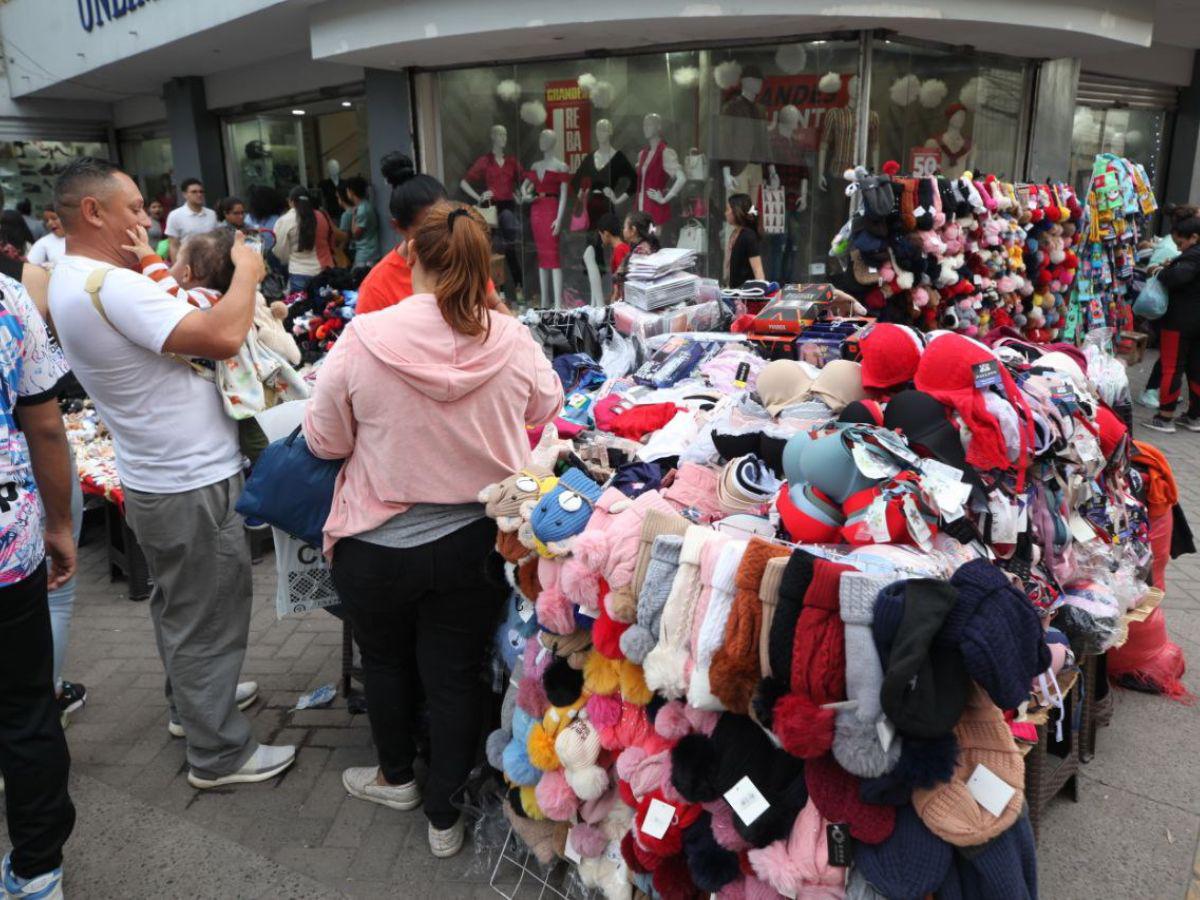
<point x="581" y="585"/>
<point x="613" y="552"/>
<point x="798" y="865"/>
<point x="695" y="487"/>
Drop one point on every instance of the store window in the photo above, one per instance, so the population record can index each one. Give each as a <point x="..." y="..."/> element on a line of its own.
<point x="314" y="144"/>
<point x="1137" y="134"/>
<point x="668" y="134"/>
<point x="28" y="168"/>
<point x="948" y="112"/>
<point x="148" y="161"/>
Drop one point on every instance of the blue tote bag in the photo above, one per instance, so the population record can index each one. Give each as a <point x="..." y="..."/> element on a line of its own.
<point x="1151" y="302"/>
<point x="291" y="489"/>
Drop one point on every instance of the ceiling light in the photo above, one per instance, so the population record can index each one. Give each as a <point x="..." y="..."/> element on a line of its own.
<point x="297" y="112"/>
<point x="347" y="103"/>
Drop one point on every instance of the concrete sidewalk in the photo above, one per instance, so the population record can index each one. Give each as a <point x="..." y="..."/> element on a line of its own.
<point x="143" y="832"/>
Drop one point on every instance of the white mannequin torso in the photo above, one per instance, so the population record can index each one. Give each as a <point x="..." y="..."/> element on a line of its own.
<point x="549" y="164"/>
<point x="602" y="156"/>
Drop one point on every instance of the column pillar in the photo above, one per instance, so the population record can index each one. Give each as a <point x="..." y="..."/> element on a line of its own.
<point x="195" y="136"/>
<point x="1049" y="154"/>
<point x="389" y="129"/>
<point x="1183" y="174"/>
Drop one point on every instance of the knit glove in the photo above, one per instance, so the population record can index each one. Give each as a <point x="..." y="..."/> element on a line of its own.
<point x="857" y="743"/>
<point x="640" y="638"/>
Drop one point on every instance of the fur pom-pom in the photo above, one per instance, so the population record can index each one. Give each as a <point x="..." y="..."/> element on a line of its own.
<point x="563" y="684"/>
<point x="664" y="669"/>
<point x="694" y="769"/>
<point x="508" y="90"/>
<point x="830" y="83"/>
<point x="601" y="675"/>
<point x="517" y="767"/>
<point x="711" y="865"/>
<point x="604" y="711"/>
<point x="671" y="721"/>
<point x="554" y="611"/>
<point x="933" y="92"/>
<point x="633" y="684"/>
<point x="541" y="749"/>
<point x="804" y="729"/>
<point x="588" y="840"/>
<point x="603" y="94"/>
<point x="636" y="643"/>
<point x="857" y="748"/>
<point x="905" y="90"/>
<point x="588" y="782"/>
<point x="496" y="742"/>
<point x="673" y="881"/>
<point x="556" y="797"/>
<point x="791" y="58"/>
<point x="621" y="604"/>
<point x="702" y="721"/>
<point x="606" y="635"/>
<point x="926" y="764"/>
<point x="727" y="74"/>
<point x="591" y="550"/>
<point x="533" y="112"/>
<point x="587" y="81"/>
<point x="685" y="76"/>
<point x="578" y="584"/>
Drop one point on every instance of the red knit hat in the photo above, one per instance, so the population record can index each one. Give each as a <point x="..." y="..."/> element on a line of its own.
<point x="1112" y="430"/>
<point x="818" y="674"/>
<point x="890" y="354"/>
<point x="834" y="792"/>
<point x="946" y="371"/>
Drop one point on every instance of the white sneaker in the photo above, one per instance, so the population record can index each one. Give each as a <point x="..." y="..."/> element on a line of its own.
<point x="247" y="693"/>
<point x="446" y="842"/>
<point x="361" y="783"/>
<point x="264" y="764"/>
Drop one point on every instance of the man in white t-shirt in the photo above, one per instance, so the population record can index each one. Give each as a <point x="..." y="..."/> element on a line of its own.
<point x="49" y="247"/>
<point x="191" y="218"/>
<point x="177" y="457"/>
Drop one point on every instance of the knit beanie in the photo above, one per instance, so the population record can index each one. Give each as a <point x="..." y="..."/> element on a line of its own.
<point x="946" y="371"/>
<point x="712" y="629"/>
<point x="799" y="865"/>
<point x="640" y="638"/>
<point x="665" y="665"/>
<point x="622" y="601"/>
<point x="1005" y="868"/>
<point x="781" y="383"/>
<point x="614" y="551"/>
<point x="734" y="671"/>
<point x="839" y="383"/>
<point x="768" y="595"/>
<point x="998" y="631"/>
<point x="949" y="810"/>
<point x="564" y="512"/>
<point x="858" y="888"/>
<point x="695" y="488"/>
<point x="910" y="864"/>
<point x="711" y="865"/>
<point x="579" y="583"/>
<point x="505" y="501"/>
<point x="890" y="354"/>
<point x="922" y="764"/>
<point x="925" y="683"/>
<point x="793" y="583"/>
<point x="835" y="793"/>
<point x="708" y="563"/>
<point x="857" y="744"/>
<point x="818" y="673"/>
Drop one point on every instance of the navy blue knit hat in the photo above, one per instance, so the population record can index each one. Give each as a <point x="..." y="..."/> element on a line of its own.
<point x="1005" y="868"/>
<point x="911" y="863"/>
<point x="998" y="631"/>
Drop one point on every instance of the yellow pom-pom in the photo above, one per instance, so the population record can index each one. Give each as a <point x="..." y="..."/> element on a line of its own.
<point x="530" y="805"/>
<point x="633" y="684"/>
<point x="541" y="750"/>
<point x="601" y="675"/>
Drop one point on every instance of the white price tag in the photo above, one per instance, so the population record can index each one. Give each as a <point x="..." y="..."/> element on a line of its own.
<point x="747" y="801"/>
<point x="919" y="211"/>
<point x="1081" y="530"/>
<point x="887" y="733"/>
<point x="525" y="610"/>
<point x="872" y="465"/>
<point x="816" y="269"/>
<point x="917" y="526"/>
<point x="877" y="521"/>
<point x="571" y="852"/>
<point x="659" y="817"/>
<point x="989" y="790"/>
<point x="613" y="853"/>
<point x="1004" y="520"/>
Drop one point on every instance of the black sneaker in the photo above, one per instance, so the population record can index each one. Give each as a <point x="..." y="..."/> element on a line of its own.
<point x="1158" y="423"/>
<point x="1191" y="424"/>
<point x="71" y="699"/>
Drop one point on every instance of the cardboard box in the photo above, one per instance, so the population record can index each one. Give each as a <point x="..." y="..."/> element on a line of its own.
<point x="1131" y="346"/>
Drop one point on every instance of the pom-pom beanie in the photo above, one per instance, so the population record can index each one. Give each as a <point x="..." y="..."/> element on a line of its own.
<point x="856" y="741"/>
<point x="640" y="638"/>
<point x="622" y="601"/>
<point x="998" y="631"/>
<point x="734" y="671"/>
<point x="665" y="665"/>
<point x="949" y="810"/>
<point x="890" y="354"/>
<point x="768" y="596"/>
<point x="798" y="866"/>
<point x="793" y="583"/>
<point x="925" y="683"/>
<point x="565" y="510"/>
<point x="711" y="630"/>
<point x="836" y="794"/>
<point x="711" y="865"/>
<point x="910" y="864"/>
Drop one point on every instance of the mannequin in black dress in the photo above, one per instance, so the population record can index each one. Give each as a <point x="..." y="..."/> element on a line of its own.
<point x="602" y="183"/>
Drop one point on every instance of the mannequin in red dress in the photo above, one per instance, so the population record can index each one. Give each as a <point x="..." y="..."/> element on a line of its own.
<point x="656" y="187"/>
<point x="546" y="186"/>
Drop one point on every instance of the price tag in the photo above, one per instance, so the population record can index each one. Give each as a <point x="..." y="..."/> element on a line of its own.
<point x="919" y="211"/>
<point x="917" y="526"/>
<point x="877" y="521"/>
<point x="837" y="838"/>
<point x="747" y="801"/>
<point x="1081" y="530"/>
<point x="887" y="733"/>
<point x="989" y="790"/>
<point x="945" y="484"/>
<point x="613" y="853"/>
<point x="659" y="817"/>
<point x="1004" y="520"/>
<point x="872" y="465"/>
<point x="987" y="373"/>
<point x="816" y="269"/>
<point x="525" y="610"/>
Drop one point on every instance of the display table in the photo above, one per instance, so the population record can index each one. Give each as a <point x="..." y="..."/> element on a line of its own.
<point x="1051" y="765"/>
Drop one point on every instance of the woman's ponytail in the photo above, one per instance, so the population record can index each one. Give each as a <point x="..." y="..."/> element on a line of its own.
<point x="453" y="245"/>
<point x="306" y="217"/>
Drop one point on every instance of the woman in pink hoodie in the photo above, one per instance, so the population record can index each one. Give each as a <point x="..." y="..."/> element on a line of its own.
<point x="427" y="402"/>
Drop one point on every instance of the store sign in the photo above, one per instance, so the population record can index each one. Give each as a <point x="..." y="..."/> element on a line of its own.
<point x="924" y="162"/>
<point x="94" y="13"/>
<point x="804" y="93"/>
<point x="569" y="115"/>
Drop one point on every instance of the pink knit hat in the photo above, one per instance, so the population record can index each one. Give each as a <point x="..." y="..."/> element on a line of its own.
<point x="798" y="866"/>
<point x="695" y="487"/>
<point x="580" y="584"/>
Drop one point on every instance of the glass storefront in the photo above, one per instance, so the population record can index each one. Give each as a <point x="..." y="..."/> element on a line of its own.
<point x="284" y="148"/>
<point x="1139" y="134"/>
<point x="147" y="158"/>
<point x="673" y="134"/>
<point x="28" y="169"/>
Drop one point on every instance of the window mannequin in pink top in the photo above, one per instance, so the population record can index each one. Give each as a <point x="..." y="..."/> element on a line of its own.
<point x="546" y="186"/>
<point x="656" y="186"/>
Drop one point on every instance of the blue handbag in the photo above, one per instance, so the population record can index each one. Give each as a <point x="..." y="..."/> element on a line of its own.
<point x="1151" y="302"/>
<point x="291" y="489"/>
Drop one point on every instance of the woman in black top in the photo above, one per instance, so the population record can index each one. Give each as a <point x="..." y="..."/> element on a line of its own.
<point x="1179" y="340"/>
<point x="743" y="261"/>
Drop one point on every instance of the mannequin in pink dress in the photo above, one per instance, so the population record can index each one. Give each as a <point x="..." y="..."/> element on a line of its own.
<point x="546" y="186"/>
<point x="656" y="186"/>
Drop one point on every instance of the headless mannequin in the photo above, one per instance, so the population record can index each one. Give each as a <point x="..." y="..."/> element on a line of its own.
<point x="958" y="153"/>
<point x="652" y="129"/>
<point x="873" y="140"/>
<point x="333" y="169"/>
<point x="751" y="88"/>
<point x="548" y="143"/>
<point x="785" y="127"/>
<point x="601" y="157"/>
